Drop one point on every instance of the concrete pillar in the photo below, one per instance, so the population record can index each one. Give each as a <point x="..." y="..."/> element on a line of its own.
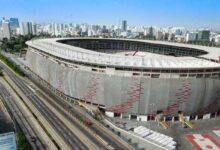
<point x="129" y="117"/>
<point x="138" y="118"/>
<point x="173" y="119"/>
<point x="196" y="118"/>
<point x="109" y="114"/>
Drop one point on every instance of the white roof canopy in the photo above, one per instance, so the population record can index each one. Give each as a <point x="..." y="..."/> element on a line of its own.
<point x="68" y="52"/>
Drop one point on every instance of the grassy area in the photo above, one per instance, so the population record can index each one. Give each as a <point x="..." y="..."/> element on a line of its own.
<point x="21" y="141"/>
<point x="11" y="64"/>
<point x="1" y="73"/>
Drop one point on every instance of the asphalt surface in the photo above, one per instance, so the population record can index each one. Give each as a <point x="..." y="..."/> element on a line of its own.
<point x="76" y="113"/>
<point x="6" y="124"/>
<point x="21" y="119"/>
<point x="112" y="141"/>
<point x="55" y="104"/>
<point x="70" y="138"/>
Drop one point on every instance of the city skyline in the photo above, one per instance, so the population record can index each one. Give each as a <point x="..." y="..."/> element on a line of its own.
<point x="109" y="74"/>
<point x="161" y="13"/>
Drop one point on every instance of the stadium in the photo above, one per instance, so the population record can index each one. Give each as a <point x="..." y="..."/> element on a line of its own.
<point x="130" y="76"/>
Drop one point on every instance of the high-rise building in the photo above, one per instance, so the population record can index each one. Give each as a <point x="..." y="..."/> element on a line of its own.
<point x="191" y="36"/>
<point x="204" y="35"/>
<point x="1" y="34"/>
<point x="26" y="28"/>
<point x="30" y="28"/>
<point x="52" y="29"/>
<point x="34" y="29"/>
<point x="6" y="33"/>
<point x="14" y="23"/>
<point x="61" y="27"/>
<point x="124" y="25"/>
<point x="56" y="32"/>
<point x="159" y="35"/>
<point x="151" y="32"/>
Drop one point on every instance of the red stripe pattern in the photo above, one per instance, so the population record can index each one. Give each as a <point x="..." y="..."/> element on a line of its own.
<point x="91" y="89"/>
<point x="60" y="79"/>
<point x="182" y="96"/>
<point x="211" y="106"/>
<point x="133" y="96"/>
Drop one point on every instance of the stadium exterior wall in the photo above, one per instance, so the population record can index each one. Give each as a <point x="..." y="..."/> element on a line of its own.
<point x="135" y="95"/>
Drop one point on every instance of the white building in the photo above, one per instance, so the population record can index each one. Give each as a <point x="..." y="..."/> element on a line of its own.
<point x="6" y="30"/>
<point x="26" y="28"/>
<point x="217" y="38"/>
<point x="1" y="34"/>
<point x="124" y="34"/>
<point x="56" y="32"/>
<point x="90" y="32"/>
<point x="191" y="36"/>
<point x="159" y="35"/>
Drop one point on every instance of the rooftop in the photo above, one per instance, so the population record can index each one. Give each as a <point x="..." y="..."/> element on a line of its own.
<point x="142" y="60"/>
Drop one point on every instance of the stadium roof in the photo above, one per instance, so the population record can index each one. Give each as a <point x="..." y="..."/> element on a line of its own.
<point x="69" y="52"/>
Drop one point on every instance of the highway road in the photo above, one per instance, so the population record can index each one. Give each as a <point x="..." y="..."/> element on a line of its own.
<point x="64" y="112"/>
<point x="70" y="138"/>
<point x="56" y="101"/>
<point x="77" y="113"/>
<point x="21" y="119"/>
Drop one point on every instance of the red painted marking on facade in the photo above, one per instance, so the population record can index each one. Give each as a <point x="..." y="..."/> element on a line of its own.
<point x="134" y="95"/>
<point x="209" y="107"/>
<point x="182" y="96"/>
<point x="60" y="79"/>
<point x="91" y="89"/>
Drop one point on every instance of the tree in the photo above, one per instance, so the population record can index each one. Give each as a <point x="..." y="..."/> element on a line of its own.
<point x="16" y="44"/>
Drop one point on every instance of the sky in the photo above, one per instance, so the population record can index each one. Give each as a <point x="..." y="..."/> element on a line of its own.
<point x="161" y="13"/>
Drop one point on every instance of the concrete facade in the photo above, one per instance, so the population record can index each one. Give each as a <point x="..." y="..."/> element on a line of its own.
<point x="130" y="94"/>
